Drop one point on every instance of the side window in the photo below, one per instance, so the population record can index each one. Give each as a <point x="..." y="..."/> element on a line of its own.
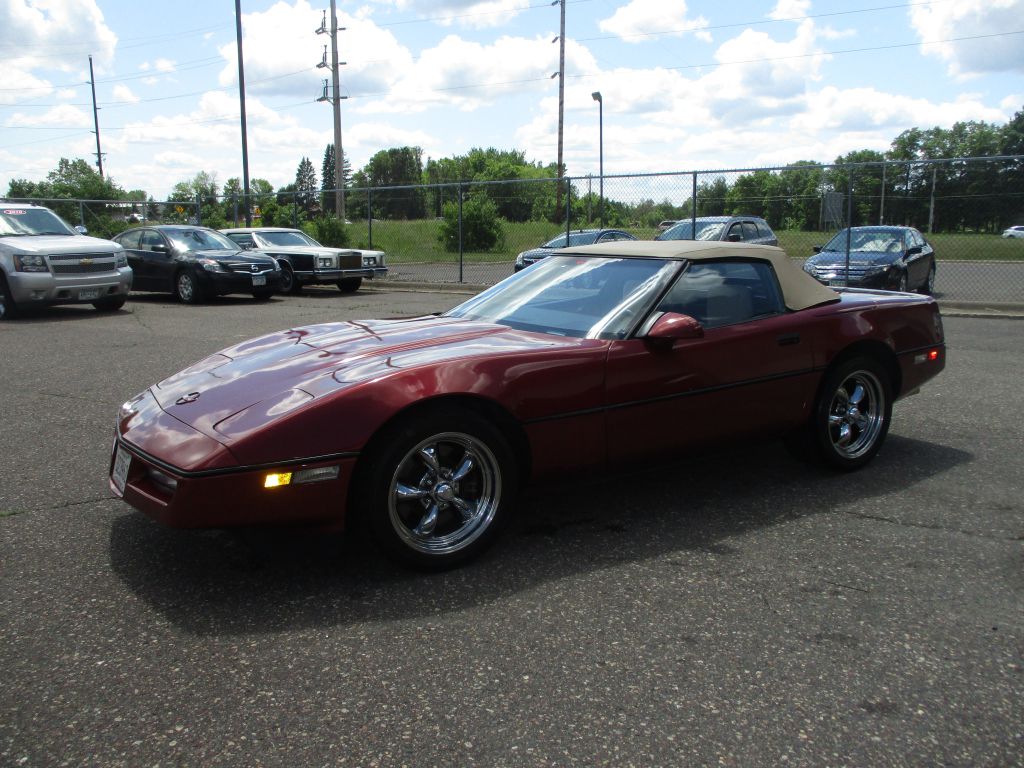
<point x="735" y="232"/>
<point x="750" y="230"/>
<point x="149" y="239"/>
<point x="719" y="293"/>
<point x="764" y="230"/>
<point x="130" y="239"/>
<point x="243" y="239"/>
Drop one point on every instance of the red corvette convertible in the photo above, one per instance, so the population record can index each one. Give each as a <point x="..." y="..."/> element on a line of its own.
<point x="598" y="356"/>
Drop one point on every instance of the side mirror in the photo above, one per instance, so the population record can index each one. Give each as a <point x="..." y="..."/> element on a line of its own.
<point x="159" y="248"/>
<point x="734" y="237"/>
<point x="914" y="250"/>
<point x="81" y="230"/>
<point x="817" y="249"/>
<point x="673" y="326"/>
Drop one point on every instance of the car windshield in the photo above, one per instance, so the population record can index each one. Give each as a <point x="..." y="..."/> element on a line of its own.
<point x="200" y="240"/>
<point x="866" y="241"/>
<point x="575" y="238"/>
<point x="706" y="230"/>
<point x="16" y="221"/>
<point x="285" y="239"/>
<point x="580" y="296"/>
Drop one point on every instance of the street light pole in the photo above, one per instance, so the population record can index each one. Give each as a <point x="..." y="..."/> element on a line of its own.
<point x="596" y="95"/>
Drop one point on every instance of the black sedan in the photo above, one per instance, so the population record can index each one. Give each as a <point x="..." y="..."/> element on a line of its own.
<point x="196" y="263"/>
<point x="892" y="258"/>
<point x="572" y="239"/>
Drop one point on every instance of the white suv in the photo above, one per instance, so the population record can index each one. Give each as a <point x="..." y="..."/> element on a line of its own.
<point x="44" y="261"/>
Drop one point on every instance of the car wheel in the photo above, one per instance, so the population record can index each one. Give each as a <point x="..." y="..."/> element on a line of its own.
<point x="8" y="307"/>
<point x="929" y="284"/>
<point x="350" y="284"/>
<point x="288" y="282"/>
<point x="852" y="413"/>
<point x="262" y="295"/>
<point x="902" y="284"/>
<point x="186" y="288"/>
<point x="439" y="488"/>
<point x="110" y="305"/>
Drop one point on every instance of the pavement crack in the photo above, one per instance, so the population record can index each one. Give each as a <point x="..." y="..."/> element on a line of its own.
<point x="931" y="527"/>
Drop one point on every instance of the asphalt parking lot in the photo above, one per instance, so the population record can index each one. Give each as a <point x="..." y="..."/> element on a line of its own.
<point x="739" y="609"/>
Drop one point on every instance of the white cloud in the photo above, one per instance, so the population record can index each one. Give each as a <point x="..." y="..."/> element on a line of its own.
<point x="63" y="116"/>
<point x="790" y="9"/>
<point x="164" y="65"/>
<point x="640" y="18"/>
<point x="992" y="22"/>
<point x="53" y="34"/>
<point x="124" y="94"/>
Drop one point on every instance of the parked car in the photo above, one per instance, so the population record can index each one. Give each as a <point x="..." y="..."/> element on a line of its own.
<point x="894" y="258"/>
<point x="1016" y="231"/>
<point x="736" y="229"/>
<point x="44" y="261"/>
<point x="667" y="224"/>
<point x="594" y="358"/>
<point x="196" y="263"/>
<point x="572" y="239"/>
<point x="304" y="261"/>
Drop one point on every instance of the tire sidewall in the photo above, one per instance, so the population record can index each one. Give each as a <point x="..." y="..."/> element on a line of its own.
<point x="820" y="435"/>
<point x="382" y="459"/>
<point x="195" y="295"/>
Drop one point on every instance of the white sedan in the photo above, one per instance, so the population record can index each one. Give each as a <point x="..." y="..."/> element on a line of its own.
<point x="1017" y="231"/>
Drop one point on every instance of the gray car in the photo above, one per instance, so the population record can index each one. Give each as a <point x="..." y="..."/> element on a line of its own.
<point x="44" y="261"/>
<point x="737" y="229"/>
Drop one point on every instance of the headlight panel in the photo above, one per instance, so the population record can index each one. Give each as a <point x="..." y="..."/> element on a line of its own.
<point x="30" y="263"/>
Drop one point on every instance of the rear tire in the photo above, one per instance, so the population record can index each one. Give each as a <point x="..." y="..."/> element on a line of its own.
<point x="8" y="307"/>
<point x="349" y="284"/>
<point x="851" y="415"/>
<point x="438" y="487"/>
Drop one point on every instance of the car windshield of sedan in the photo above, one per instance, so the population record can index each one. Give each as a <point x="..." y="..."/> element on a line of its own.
<point x="706" y="230"/>
<point x="16" y="221"/>
<point x="575" y="238"/>
<point x="866" y="241"/>
<point x="200" y="240"/>
<point x="582" y="296"/>
<point x="285" y="239"/>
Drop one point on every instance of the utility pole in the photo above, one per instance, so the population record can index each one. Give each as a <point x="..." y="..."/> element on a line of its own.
<point x="96" y="118"/>
<point x="561" y="98"/>
<point x="339" y="153"/>
<point x="241" y="99"/>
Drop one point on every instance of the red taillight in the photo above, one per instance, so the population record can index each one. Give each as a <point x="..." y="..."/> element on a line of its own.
<point x="933" y="355"/>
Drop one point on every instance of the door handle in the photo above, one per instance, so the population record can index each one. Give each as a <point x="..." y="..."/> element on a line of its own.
<point x="788" y="339"/>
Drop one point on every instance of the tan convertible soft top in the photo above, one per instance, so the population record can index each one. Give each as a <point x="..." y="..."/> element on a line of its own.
<point x="799" y="289"/>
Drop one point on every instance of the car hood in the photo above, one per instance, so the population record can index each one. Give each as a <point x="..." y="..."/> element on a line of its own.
<point x="860" y="258"/>
<point x="59" y="244"/>
<point x="538" y="253"/>
<point x="242" y="388"/>
<point x="236" y="257"/>
<point x="310" y="249"/>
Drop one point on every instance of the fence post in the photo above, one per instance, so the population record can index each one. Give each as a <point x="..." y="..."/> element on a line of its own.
<point x="369" y="215"/>
<point x="234" y="200"/>
<point x="693" y="212"/>
<point x="295" y="211"/>
<point x="461" y="252"/>
<point x="849" y="220"/>
<point x="568" y="212"/>
<point x="81" y="213"/>
<point x="931" y="203"/>
<point x="881" y="204"/>
<point x="199" y="210"/>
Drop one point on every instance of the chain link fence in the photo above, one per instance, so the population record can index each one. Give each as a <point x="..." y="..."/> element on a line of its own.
<point x="471" y="232"/>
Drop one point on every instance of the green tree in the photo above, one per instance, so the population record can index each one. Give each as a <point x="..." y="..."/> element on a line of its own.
<point x="401" y="166"/>
<point x="481" y="225"/>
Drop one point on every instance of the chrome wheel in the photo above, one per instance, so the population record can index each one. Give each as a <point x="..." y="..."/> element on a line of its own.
<point x="444" y="494"/>
<point x="186" y="288"/>
<point x="857" y="415"/>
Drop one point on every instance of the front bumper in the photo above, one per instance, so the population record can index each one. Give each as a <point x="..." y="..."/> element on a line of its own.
<point x="334" y="275"/>
<point x="222" y="283"/>
<point x="837" y="278"/>
<point x="230" y="497"/>
<point x="41" y="288"/>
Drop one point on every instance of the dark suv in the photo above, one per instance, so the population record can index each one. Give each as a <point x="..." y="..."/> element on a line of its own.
<point x="737" y="229"/>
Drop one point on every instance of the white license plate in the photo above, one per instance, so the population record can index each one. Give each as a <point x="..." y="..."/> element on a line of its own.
<point x="88" y="294"/>
<point x="122" y="462"/>
<point x="259" y="280"/>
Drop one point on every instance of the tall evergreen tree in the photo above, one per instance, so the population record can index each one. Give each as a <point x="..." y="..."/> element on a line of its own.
<point x="305" y="185"/>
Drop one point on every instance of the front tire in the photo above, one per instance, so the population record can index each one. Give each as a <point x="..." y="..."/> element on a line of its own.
<point x="439" y="488"/>
<point x="186" y="289"/>
<point x="928" y="289"/>
<point x="851" y="415"/>
<point x="349" y="284"/>
<point x="8" y="307"/>
<point x="288" y="282"/>
<point x="262" y="295"/>
<point x="110" y="305"/>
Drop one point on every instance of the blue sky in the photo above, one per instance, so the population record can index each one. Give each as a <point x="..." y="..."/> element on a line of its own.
<point x="686" y="85"/>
